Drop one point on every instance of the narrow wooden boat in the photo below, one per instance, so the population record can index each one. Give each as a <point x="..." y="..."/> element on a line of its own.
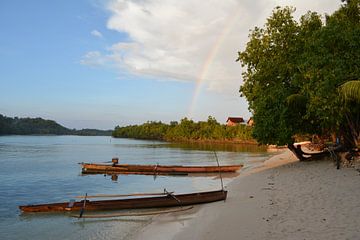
<point x="155" y="169"/>
<point x="85" y="172"/>
<point x="169" y="200"/>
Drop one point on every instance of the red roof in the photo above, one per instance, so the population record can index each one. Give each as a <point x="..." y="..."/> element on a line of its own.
<point x="235" y="119"/>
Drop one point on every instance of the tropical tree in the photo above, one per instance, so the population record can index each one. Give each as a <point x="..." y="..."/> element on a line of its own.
<point x="293" y="72"/>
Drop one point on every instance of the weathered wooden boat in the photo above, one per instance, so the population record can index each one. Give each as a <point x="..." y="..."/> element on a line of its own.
<point x="168" y="200"/>
<point x="85" y="172"/>
<point x="155" y="169"/>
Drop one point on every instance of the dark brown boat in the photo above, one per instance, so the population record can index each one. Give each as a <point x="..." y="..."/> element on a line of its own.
<point x="169" y="200"/>
<point x="155" y="169"/>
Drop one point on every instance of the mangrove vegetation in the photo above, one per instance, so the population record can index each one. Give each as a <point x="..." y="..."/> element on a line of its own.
<point x="187" y="130"/>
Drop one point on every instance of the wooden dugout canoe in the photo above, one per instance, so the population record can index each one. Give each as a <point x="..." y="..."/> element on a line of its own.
<point x="131" y="203"/>
<point x="155" y="169"/>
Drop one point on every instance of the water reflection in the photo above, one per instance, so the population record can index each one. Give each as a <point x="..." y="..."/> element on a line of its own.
<point x="205" y="146"/>
<point x="114" y="177"/>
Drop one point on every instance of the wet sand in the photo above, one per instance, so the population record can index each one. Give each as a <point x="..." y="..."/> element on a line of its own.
<point x="283" y="199"/>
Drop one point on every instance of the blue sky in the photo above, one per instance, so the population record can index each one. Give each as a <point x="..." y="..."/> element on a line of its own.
<point x="98" y="64"/>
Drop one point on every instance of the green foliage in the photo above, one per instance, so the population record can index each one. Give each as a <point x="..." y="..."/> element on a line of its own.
<point x="293" y="71"/>
<point x="148" y="130"/>
<point x="91" y="132"/>
<point x="186" y="130"/>
<point x="350" y="91"/>
<point x="296" y="102"/>
<point x="26" y="126"/>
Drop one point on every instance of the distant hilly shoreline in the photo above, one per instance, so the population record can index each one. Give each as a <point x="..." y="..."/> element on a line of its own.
<point x="40" y="126"/>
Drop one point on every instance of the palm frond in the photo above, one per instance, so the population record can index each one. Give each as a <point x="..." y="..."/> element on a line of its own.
<point x="351" y="90"/>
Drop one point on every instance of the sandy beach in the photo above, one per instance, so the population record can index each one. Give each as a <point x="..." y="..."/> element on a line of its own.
<point x="283" y="199"/>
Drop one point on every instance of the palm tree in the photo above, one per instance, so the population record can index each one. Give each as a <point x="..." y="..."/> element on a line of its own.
<point x="350" y="92"/>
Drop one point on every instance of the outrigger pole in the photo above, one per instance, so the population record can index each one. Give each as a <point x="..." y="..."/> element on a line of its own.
<point x="217" y="160"/>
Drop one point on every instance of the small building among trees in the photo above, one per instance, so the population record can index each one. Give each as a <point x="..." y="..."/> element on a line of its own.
<point x="233" y="121"/>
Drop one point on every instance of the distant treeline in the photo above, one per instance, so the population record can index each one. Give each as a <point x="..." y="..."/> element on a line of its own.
<point x="186" y="130"/>
<point x="28" y="126"/>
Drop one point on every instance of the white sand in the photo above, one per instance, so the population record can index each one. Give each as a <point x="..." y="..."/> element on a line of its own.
<point x="284" y="199"/>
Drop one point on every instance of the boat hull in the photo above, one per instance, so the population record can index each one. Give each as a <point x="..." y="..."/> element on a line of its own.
<point x="133" y="203"/>
<point x="155" y="169"/>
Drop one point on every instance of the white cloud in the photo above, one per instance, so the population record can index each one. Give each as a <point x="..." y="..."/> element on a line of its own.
<point x="96" y="33"/>
<point x="190" y="40"/>
<point x="94" y="58"/>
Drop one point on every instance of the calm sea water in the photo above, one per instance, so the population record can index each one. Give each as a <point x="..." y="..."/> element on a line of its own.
<point x="43" y="169"/>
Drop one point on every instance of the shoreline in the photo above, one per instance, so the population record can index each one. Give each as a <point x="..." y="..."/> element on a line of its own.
<point x="281" y="199"/>
<point x="199" y="141"/>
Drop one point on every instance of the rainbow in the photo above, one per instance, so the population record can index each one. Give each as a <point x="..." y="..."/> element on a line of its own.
<point x="208" y="61"/>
